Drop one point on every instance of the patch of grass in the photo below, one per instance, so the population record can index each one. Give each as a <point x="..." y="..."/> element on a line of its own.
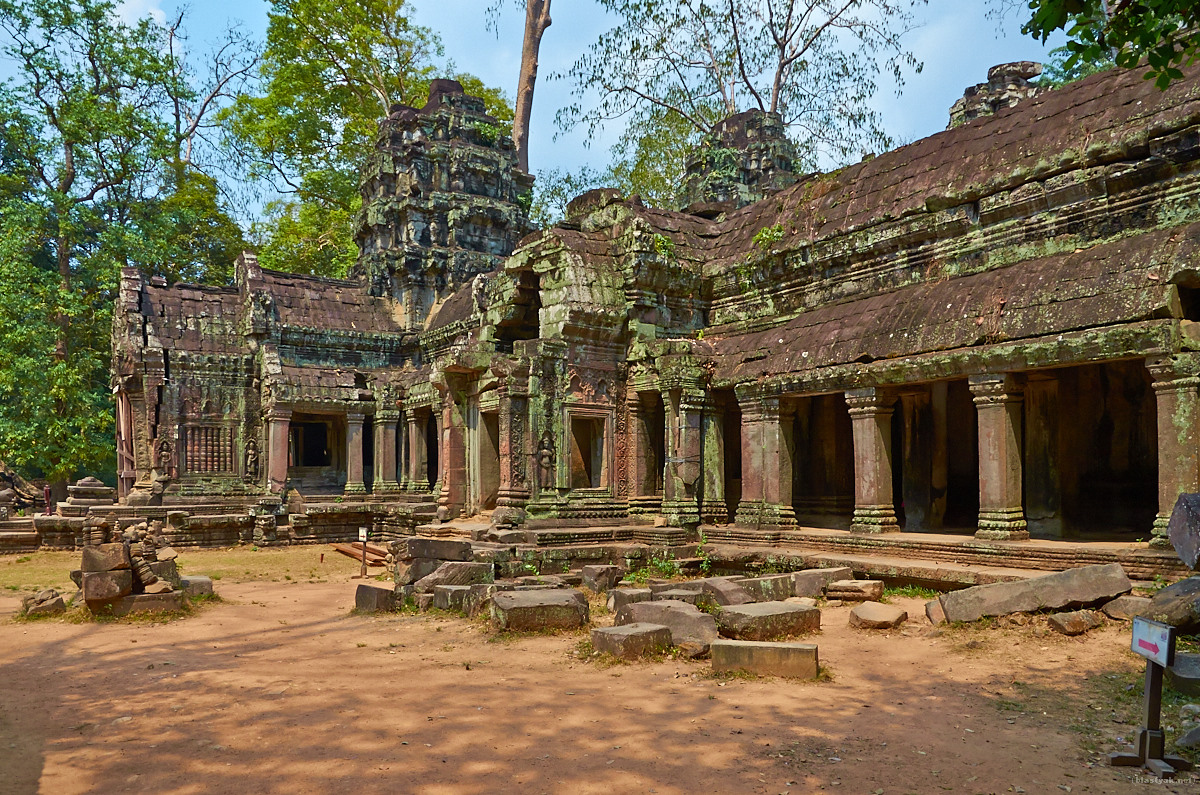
<point x="912" y="591"/>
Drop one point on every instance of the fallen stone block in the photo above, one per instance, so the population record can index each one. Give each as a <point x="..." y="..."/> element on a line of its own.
<point x="77" y="577"/>
<point x="812" y="582"/>
<point x="457" y="573"/>
<point x="424" y="601"/>
<point x="630" y="641"/>
<point x="450" y="597"/>
<point x="50" y="607"/>
<point x="767" y="621"/>
<point x="196" y="585"/>
<point x="166" y="553"/>
<point x="166" y="570"/>
<point x="406" y="572"/>
<point x="875" y="615"/>
<point x="1075" y="622"/>
<point x="765" y="659"/>
<point x="726" y="592"/>
<point x="104" y="557"/>
<point x="148" y="603"/>
<point x="687" y="624"/>
<point x="600" y="578"/>
<point x="855" y="590"/>
<point x="1077" y="587"/>
<point x="104" y="586"/>
<point x="658" y="586"/>
<point x="522" y="611"/>
<point x="935" y="613"/>
<point x="1184" y="675"/>
<point x="807" y="601"/>
<point x="1125" y="608"/>
<point x="477" y="598"/>
<point x="680" y="595"/>
<point x="773" y="588"/>
<point x="543" y="581"/>
<point x="439" y="548"/>
<point x="1183" y="529"/>
<point x="1178" y="605"/>
<point x="619" y="597"/>
<point x="371" y="598"/>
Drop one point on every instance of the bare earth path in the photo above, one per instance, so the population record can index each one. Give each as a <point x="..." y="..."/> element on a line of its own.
<point x="281" y="689"/>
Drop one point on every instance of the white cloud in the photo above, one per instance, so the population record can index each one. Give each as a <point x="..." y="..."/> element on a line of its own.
<point x="130" y="11"/>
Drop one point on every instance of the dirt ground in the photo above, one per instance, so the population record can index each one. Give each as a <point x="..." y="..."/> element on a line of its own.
<point x="280" y="688"/>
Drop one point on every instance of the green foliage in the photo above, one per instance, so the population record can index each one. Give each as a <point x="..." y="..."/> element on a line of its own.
<point x="1060" y="69"/>
<point x="1162" y="35"/>
<point x="330" y="72"/>
<point x="768" y="236"/>
<point x="664" y="247"/>
<point x="554" y="189"/>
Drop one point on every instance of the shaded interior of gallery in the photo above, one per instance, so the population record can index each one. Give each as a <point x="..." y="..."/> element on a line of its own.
<point x="989" y="331"/>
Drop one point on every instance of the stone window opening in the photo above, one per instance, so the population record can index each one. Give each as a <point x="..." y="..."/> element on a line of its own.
<point x="308" y="445"/>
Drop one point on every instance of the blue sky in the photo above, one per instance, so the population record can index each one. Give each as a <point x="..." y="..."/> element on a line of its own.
<point x="956" y="42"/>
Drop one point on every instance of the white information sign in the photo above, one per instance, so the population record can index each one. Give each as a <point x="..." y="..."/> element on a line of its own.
<point x="362" y="534"/>
<point x="1154" y="641"/>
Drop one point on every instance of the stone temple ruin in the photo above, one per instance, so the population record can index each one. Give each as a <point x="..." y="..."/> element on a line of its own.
<point x="990" y="331"/>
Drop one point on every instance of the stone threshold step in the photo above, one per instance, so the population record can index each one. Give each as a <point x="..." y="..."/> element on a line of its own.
<point x="933" y="572"/>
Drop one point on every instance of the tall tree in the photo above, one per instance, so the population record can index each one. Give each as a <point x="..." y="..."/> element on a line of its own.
<point x="86" y="187"/>
<point x="331" y="70"/>
<point x="537" y="19"/>
<point x="814" y="62"/>
<point x="1162" y="34"/>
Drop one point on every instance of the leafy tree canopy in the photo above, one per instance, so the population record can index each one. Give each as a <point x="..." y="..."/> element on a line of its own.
<point x="1163" y="33"/>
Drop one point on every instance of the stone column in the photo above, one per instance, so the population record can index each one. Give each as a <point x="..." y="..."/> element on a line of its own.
<point x="514" y="492"/>
<point x="452" y="498"/>
<point x="278" y="422"/>
<point x="1176" y="384"/>
<point x="354" y="456"/>
<point x="712" y="498"/>
<point x="415" y="477"/>
<point x="679" y="505"/>
<point x="998" y="402"/>
<point x="385" y="452"/>
<point x="766" y="465"/>
<point x="871" y="420"/>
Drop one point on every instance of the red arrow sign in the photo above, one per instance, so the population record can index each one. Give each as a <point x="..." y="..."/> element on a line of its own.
<point x="1148" y="646"/>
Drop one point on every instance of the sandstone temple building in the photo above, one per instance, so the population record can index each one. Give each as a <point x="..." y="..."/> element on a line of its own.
<point x="993" y="330"/>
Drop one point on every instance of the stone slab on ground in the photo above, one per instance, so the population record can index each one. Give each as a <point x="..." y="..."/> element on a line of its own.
<point x="768" y="621"/>
<point x="727" y="592"/>
<point x="148" y="603"/>
<point x="684" y="585"/>
<point x="1184" y="675"/>
<point x="1125" y="608"/>
<point x="423" y="601"/>
<point x="1178" y="605"/>
<point x="812" y="582"/>
<point x="600" y="578"/>
<point x="1077" y="587"/>
<point x="196" y="585"/>
<point x="451" y="597"/>
<point x="876" y="615"/>
<point x="686" y="622"/>
<point x="935" y="613"/>
<point x="1075" y="622"/>
<point x="104" y="586"/>
<point x="407" y="572"/>
<point x="521" y="611"/>
<point x="438" y="548"/>
<point x="372" y="598"/>
<point x="457" y="573"/>
<point x="630" y="641"/>
<point x="619" y="597"/>
<point x="772" y="588"/>
<point x="104" y="557"/>
<point x="50" y="607"/>
<point x="679" y="595"/>
<point x="477" y="598"/>
<point x="765" y="659"/>
<point x="855" y="590"/>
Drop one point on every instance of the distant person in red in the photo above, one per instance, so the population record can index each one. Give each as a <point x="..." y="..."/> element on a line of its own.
<point x="46" y="494"/>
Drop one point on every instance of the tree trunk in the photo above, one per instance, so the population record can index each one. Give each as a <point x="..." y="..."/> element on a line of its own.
<point x="537" y="19"/>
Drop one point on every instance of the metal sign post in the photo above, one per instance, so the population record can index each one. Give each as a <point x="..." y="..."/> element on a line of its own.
<point x="1155" y="642"/>
<point x="362" y="539"/>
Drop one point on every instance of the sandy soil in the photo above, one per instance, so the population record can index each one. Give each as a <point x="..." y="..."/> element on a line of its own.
<point x="281" y="689"/>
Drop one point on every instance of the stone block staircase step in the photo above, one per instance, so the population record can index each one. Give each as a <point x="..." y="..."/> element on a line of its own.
<point x="14" y="541"/>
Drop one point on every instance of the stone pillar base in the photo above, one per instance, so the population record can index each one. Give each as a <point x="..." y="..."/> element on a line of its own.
<point x="645" y="504"/>
<point x="680" y="514"/>
<point x="765" y="514"/>
<point x="874" y="519"/>
<point x="387" y="487"/>
<point x="1159" y="538"/>
<point x="1006" y="525"/>
<point x="355" y="487"/>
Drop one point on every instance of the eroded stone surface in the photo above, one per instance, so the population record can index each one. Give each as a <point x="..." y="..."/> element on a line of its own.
<point x="1075" y="622"/>
<point x="765" y="659"/>
<point x="1072" y="588"/>
<point x="630" y="641"/>
<point x="768" y="621"/>
<point x="372" y="598"/>
<point x="457" y="573"/>
<point x="855" y="590"/>
<point x="521" y="611"/>
<point x="687" y="624"/>
<point x="812" y="582"/>
<point x="875" y="615"/>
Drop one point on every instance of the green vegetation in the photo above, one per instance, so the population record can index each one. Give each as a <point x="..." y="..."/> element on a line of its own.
<point x="768" y="236"/>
